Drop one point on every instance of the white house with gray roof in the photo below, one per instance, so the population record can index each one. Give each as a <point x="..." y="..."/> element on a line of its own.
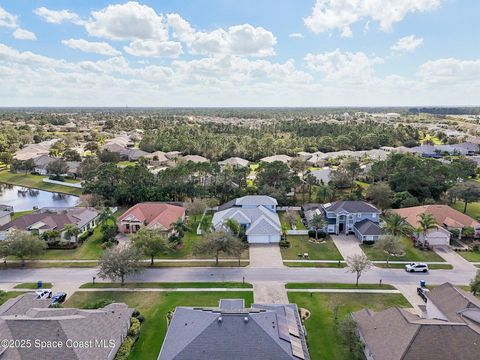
<point x="257" y="214"/>
<point x="232" y="331"/>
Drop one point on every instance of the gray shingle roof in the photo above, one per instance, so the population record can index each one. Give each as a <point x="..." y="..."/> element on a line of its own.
<point x="368" y="227"/>
<point x="351" y="207"/>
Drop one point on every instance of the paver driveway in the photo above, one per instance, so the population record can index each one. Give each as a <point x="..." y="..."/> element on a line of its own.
<point x="348" y="245"/>
<point x="265" y="256"/>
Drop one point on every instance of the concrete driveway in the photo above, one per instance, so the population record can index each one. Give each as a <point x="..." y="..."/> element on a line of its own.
<point x="265" y="256"/>
<point x="270" y="293"/>
<point x="348" y="245"/>
<point x="450" y="256"/>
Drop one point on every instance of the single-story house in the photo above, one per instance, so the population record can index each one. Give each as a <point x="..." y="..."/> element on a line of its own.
<point x="79" y="334"/>
<point x="447" y="329"/>
<point x="349" y="217"/>
<point x="154" y="215"/>
<point x="282" y="158"/>
<point x="232" y="331"/>
<point x="446" y="218"/>
<point x="172" y="155"/>
<point x="322" y="175"/>
<point x="257" y="214"/>
<point x="5" y="217"/>
<point x="234" y="162"/>
<point x="135" y="154"/>
<point x="195" y="158"/>
<point x="32" y="151"/>
<point x="42" y="162"/>
<point x="47" y="219"/>
<point x="157" y="158"/>
<point x="304" y="155"/>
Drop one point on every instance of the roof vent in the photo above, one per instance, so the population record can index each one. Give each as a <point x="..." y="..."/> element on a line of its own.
<point x="219" y="319"/>
<point x="245" y="319"/>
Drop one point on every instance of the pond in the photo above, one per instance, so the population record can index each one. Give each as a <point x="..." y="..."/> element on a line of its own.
<point x="22" y="198"/>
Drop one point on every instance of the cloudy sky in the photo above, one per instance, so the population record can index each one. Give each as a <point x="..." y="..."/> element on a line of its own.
<point x="239" y="53"/>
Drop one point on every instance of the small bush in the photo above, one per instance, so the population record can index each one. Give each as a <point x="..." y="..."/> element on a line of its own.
<point x="321" y="234"/>
<point x="134" y="327"/>
<point x="124" y="351"/>
<point x="285" y="244"/>
<point x="311" y="233"/>
<point x="140" y="318"/>
<point x="369" y="242"/>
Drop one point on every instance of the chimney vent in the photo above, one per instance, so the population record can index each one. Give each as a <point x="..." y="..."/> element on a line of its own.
<point x="219" y="319"/>
<point x="245" y="319"/>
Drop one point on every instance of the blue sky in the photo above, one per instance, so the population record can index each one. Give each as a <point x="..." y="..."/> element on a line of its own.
<point x="239" y="53"/>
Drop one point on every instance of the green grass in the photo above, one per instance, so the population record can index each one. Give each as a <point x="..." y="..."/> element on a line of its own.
<point x="298" y="221"/>
<point x="126" y="163"/>
<point x="21" y="213"/>
<point x="154" y="306"/>
<point x="323" y="340"/>
<point x="33" y="285"/>
<point x="411" y="253"/>
<point x="5" y="295"/>
<point x="338" y="286"/>
<point x="169" y="285"/>
<point x="473" y="209"/>
<point x="300" y="244"/>
<point x="36" y="181"/>
<point x="313" y="264"/>
<point x="430" y="266"/>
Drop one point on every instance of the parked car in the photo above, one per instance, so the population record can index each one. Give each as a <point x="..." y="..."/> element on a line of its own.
<point x="44" y="293"/>
<point x="422" y="292"/>
<point x="58" y="298"/>
<point x="416" y="267"/>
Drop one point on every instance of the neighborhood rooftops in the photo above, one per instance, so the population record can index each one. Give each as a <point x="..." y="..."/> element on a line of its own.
<point x="235" y="332"/>
<point x="443" y="214"/>
<point x="350" y="207"/>
<point x="235" y="161"/>
<point x="154" y="214"/>
<point x="28" y="318"/>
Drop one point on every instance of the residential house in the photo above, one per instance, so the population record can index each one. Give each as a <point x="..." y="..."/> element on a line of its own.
<point x="234" y="162"/>
<point x="42" y="162"/>
<point x="449" y="328"/>
<point x="321" y="175"/>
<point x="304" y="155"/>
<point x="172" y="155"/>
<point x="154" y="215"/>
<point x="157" y="158"/>
<point x="447" y="219"/>
<point x="135" y="154"/>
<point x="195" y="158"/>
<point x="282" y="158"/>
<point x="47" y="219"/>
<point x="257" y="214"/>
<point x="5" y="217"/>
<point x="232" y="331"/>
<point x="32" y="151"/>
<point x="78" y="334"/>
<point x="349" y="217"/>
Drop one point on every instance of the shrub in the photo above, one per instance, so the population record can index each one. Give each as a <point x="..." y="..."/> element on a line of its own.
<point x="134" y="327"/>
<point x="124" y="351"/>
<point x="285" y="244"/>
<point x="321" y="234"/>
<point x="369" y="242"/>
<point x="140" y="318"/>
<point x="97" y="304"/>
<point x="311" y="233"/>
<point x="476" y="245"/>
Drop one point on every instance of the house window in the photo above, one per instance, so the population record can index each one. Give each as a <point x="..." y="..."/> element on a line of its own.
<point x="359" y="216"/>
<point x="374" y="215"/>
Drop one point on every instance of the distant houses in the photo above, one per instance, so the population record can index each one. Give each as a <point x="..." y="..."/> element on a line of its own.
<point x="256" y="214"/>
<point x="234" y="162"/>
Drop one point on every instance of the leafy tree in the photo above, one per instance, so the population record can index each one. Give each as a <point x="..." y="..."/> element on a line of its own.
<point x="71" y="230"/>
<point x="341" y="178"/>
<point x="52" y="237"/>
<point x="22" y="245"/>
<point x="180" y="227"/>
<point x="234" y="227"/>
<point x="71" y="155"/>
<point x="92" y="147"/>
<point x="105" y="215"/>
<point x="119" y="262"/>
<point x="475" y="284"/>
<point x="276" y="175"/>
<point x="298" y="165"/>
<point x="381" y="195"/>
<point x="6" y="158"/>
<point x="22" y="165"/>
<point x="318" y="222"/>
<point x="151" y="243"/>
<point x="426" y="222"/>
<point x="290" y="217"/>
<point x="347" y="331"/>
<point x="463" y="168"/>
<point x="404" y="199"/>
<point x="390" y="245"/>
<point x="109" y="157"/>
<point x="395" y="225"/>
<point x="109" y="231"/>
<point x="195" y="206"/>
<point x="324" y="193"/>
<point x="358" y="264"/>
<point x="468" y="192"/>
<point x="218" y="242"/>
<point x="57" y="167"/>
<point x="87" y="165"/>
<point x="310" y="182"/>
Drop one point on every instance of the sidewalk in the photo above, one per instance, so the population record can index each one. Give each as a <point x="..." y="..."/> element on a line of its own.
<point x="270" y="293"/>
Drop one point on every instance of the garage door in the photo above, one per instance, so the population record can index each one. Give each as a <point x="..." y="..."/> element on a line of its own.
<point x="263" y="239"/>
<point x="438" y="238"/>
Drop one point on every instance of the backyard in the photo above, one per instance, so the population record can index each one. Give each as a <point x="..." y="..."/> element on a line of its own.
<point x="323" y="340"/>
<point x="411" y="253"/>
<point x="473" y="209"/>
<point x="154" y="306"/>
<point x="298" y="221"/>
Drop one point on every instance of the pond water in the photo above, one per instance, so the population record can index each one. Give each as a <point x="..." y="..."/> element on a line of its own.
<point x="22" y="198"/>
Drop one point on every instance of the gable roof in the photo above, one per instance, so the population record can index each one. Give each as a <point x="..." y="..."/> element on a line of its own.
<point x="154" y="214"/>
<point x="256" y="200"/>
<point x="369" y="228"/>
<point x="261" y="332"/>
<point x="443" y="214"/>
<point x="350" y="207"/>
<point x="282" y="158"/>
<point x="195" y="159"/>
<point x="235" y="161"/>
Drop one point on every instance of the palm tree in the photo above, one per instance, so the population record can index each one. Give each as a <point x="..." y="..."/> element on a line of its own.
<point x="234" y="226"/>
<point x="426" y="223"/>
<point x="71" y="230"/>
<point x="318" y="222"/>
<point x="324" y="192"/>
<point x="310" y="181"/>
<point x="395" y="225"/>
<point x="180" y="227"/>
<point x="105" y="215"/>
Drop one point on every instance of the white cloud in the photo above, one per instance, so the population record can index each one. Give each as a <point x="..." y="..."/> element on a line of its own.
<point x="58" y="16"/>
<point x="22" y="34"/>
<point x="329" y="15"/>
<point x="347" y="67"/>
<point x="242" y="40"/>
<point x="129" y="21"/>
<point x="407" y="44"/>
<point x="295" y="35"/>
<point x="450" y="71"/>
<point x="101" y="48"/>
<point x="7" y="20"/>
<point x="152" y="48"/>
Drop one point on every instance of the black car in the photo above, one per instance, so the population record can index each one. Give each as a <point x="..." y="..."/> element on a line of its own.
<point x="58" y="298"/>
<point x="421" y="291"/>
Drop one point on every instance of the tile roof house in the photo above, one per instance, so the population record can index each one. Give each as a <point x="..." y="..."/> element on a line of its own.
<point x="231" y="331"/>
<point x="349" y="217"/>
<point x="257" y="214"/>
<point x="447" y="219"/>
<point x="195" y="158"/>
<point x="30" y="319"/>
<point x="46" y="219"/>
<point x="32" y="151"/>
<point x="158" y="158"/>
<point x="235" y="162"/>
<point x="448" y="329"/>
<point x="282" y="158"/>
<point x="154" y="215"/>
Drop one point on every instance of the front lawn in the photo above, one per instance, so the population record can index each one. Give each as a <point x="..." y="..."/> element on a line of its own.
<point x="338" y="286"/>
<point x="300" y="244"/>
<point x="154" y="306"/>
<point x="411" y="253"/>
<point x="36" y="182"/>
<point x="33" y="285"/>
<point x="168" y="285"/>
<point x="473" y="256"/>
<point x="323" y="340"/>
<point x="5" y="295"/>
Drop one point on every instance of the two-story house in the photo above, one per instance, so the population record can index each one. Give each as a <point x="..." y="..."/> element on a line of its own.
<point x="257" y="214"/>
